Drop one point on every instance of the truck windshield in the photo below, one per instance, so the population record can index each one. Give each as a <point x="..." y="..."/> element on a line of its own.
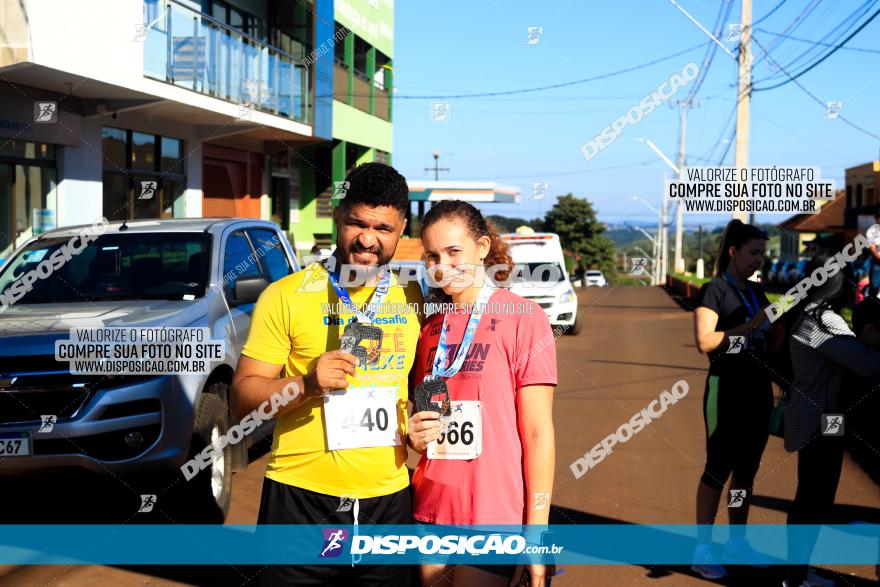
<point x="113" y="267"/>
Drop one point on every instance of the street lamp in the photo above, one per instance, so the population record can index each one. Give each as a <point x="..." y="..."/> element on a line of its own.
<point x="658" y="249"/>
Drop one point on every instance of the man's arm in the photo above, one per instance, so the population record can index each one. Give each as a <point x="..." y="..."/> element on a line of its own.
<point x="255" y="381"/>
<point x="875" y="253"/>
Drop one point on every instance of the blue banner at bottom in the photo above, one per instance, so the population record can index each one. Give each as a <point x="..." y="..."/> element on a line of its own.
<point x="412" y="544"/>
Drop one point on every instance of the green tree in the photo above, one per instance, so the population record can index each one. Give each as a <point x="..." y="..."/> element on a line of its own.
<point x="580" y="232"/>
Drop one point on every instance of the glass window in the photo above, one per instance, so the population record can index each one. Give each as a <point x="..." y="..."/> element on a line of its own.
<point x="16" y="148"/>
<point x="171" y="155"/>
<point x="113" y="147"/>
<point x="115" y="196"/>
<point x="273" y="260"/>
<point x="117" y="266"/>
<point x="143" y="151"/>
<point x="238" y="261"/>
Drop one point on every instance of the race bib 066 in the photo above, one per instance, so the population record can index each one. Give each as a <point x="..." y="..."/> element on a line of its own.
<point x="462" y="438"/>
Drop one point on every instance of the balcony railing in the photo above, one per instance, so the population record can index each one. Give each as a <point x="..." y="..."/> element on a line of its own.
<point x="194" y="51"/>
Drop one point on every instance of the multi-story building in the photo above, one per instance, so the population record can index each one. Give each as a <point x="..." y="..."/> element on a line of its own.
<point x="361" y="111"/>
<point x="862" y="197"/>
<point x="186" y="108"/>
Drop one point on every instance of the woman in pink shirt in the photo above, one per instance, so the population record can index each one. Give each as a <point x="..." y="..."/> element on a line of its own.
<point x="493" y="461"/>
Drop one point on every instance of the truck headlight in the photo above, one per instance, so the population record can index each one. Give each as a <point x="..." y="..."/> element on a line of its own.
<point x="566" y="297"/>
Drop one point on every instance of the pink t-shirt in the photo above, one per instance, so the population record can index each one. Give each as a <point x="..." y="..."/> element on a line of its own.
<point x="511" y="349"/>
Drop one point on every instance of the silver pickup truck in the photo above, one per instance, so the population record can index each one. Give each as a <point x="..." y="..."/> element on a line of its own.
<point x="161" y="273"/>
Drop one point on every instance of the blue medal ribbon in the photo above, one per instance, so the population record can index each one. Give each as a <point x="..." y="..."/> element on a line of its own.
<point x="751" y="310"/>
<point x="365" y="317"/>
<point x="470" y="331"/>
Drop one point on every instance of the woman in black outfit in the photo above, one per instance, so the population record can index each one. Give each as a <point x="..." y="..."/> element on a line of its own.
<point x="730" y="326"/>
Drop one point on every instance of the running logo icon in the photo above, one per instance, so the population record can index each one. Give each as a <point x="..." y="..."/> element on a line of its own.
<point x="734" y="30"/>
<point x="639" y="266"/>
<point x="534" y="33"/>
<point x="46" y="112"/>
<point x="148" y="190"/>
<point x="833" y="108"/>
<point x="47" y="423"/>
<point x="737" y="497"/>
<point x="736" y="344"/>
<point x="340" y="188"/>
<point x="345" y="503"/>
<point x="333" y="541"/>
<point x="540" y="189"/>
<point x="147" y="503"/>
<point x="441" y="112"/>
<point x="832" y="424"/>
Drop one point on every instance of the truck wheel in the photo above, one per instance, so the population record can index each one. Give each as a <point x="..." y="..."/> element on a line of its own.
<point x="575" y="328"/>
<point x="210" y="491"/>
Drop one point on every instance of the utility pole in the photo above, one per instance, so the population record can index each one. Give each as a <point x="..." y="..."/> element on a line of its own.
<point x="744" y="92"/>
<point x="663" y="244"/>
<point x="683" y="106"/>
<point x="700" y="241"/>
<point x="437" y="169"/>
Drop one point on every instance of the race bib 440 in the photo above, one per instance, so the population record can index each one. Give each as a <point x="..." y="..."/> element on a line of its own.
<point x="361" y="417"/>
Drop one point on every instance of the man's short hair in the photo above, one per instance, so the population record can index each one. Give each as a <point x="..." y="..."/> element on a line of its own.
<point x="376" y="184"/>
<point x="867" y="312"/>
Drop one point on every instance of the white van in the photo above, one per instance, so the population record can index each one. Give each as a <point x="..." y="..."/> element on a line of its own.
<point x="541" y="276"/>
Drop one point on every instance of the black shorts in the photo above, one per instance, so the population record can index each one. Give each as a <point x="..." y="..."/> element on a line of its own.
<point x="286" y="504"/>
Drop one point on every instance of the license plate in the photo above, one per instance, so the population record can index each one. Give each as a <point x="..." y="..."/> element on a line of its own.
<point x="16" y="444"/>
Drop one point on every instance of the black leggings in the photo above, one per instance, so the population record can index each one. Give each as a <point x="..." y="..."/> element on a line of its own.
<point x="819" y="466"/>
<point x="736" y="410"/>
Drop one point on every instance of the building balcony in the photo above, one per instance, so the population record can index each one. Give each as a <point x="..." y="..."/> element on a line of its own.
<point x="191" y="50"/>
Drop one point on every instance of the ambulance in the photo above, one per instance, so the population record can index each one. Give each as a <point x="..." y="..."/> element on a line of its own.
<point x="541" y="277"/>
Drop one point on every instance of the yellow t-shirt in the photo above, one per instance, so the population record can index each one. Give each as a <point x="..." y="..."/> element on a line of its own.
<point x="291" y="326"/>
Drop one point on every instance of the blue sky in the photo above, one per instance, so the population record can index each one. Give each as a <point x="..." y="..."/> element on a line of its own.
<point x="466" y="47"/>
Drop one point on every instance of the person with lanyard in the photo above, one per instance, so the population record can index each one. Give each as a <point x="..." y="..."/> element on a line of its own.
<point x="730" y="325"/>
<point x="339" y="451"/>
<point x="483" y="403"/>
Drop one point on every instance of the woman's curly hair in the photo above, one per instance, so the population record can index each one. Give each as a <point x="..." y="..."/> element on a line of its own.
<point x="477" y="226"/>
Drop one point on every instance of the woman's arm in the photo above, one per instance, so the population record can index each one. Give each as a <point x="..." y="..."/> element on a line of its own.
<point x="846" y="350"/>
<point x="535" y="415"/>
<point x="708" y="339"/>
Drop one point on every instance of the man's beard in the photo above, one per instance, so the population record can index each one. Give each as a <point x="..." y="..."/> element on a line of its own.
<point x="346" y="256"/>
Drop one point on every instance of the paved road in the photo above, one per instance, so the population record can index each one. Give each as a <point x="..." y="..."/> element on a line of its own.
<point x="636" y="343"/>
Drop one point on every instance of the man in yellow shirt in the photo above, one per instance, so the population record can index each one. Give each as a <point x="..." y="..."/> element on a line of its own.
<point x="339" y="451"/>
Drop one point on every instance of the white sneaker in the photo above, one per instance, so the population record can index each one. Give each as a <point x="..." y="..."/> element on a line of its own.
<point x="739" y="551"/>
<point x="706" y="564"/>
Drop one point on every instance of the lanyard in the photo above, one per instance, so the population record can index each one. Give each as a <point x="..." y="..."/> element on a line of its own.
<point x="469" y="332"/>
<point x="751" y="311"/>
<point x="367" y="316"/>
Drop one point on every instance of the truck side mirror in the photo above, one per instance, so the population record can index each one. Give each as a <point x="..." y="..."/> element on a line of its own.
<point x="248" y="289"/>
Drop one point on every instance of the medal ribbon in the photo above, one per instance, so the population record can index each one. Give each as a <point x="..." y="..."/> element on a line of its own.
<point x="375" y="301"/>
<point x="469" y="332"/>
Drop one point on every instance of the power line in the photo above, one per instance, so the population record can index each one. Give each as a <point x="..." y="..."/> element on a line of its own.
<point x="559" y="85"/>
<point x="768" y="15"/>
<point x="810" y="94"/>
<point x="711" y="50"/>
<point x="792" y="78"/>
<point x="819" y="43"/>
<point x="809" y="54"/>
